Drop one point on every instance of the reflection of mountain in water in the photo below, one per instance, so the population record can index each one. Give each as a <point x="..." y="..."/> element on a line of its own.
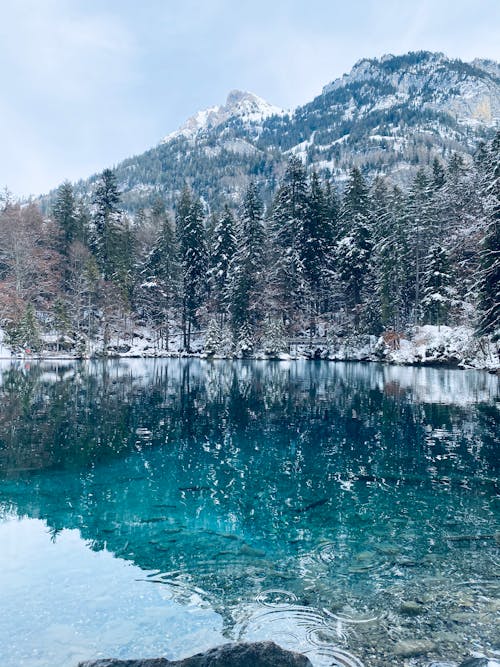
<point x="327" y="481"/>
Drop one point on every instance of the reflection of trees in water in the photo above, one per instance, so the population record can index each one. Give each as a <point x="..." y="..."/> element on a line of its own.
<point x="236" y="478"/>
<point x="74" y="416"/>
<point x="233" y="473"/>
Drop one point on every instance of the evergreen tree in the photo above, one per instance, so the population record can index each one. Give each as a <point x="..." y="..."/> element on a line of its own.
<point x="218" y="339"/>
<point x="317" y="249"/>
<point x="332" y="207"/>
<point x="421" y="229"/>
<point x="390" y="258"/>
<point x="161" y="272"/>
<point x="25" y="334"/>
<point x="66" y="215"/>
<point x="289" y="215"/>
<point x="83" y="222"/>
<point x="62" y="320"/>
<point x="109" y="240"/>
<point x="246" y="270"/>
<point x="221" y="254"/>
<point x="274" y="336"/>
<point x="193" y="260"/>
<point x="438" y="174"/>
<point x="124" y="258"/>
<point x="355" y="246"/>
<point x="489" y="281"/>
<point x="436" y="286"/>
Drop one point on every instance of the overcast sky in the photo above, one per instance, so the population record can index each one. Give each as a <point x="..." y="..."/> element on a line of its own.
<point x="86" y="83"/>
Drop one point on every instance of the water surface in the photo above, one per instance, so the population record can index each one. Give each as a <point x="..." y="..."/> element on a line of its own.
<point x="162" y="507"/>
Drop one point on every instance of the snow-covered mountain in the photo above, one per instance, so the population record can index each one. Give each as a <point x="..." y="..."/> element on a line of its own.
<point x="388" y="115"/>
<point x="250" y="109"/>
<point x="468" y="92"/>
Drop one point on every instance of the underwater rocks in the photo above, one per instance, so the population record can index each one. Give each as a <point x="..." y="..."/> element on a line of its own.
<point x="411" y="608"/>
<point x="264" y="654"/>
<point x="410" y="649"/>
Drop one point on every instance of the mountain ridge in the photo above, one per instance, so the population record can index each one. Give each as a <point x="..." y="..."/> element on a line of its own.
<point x="388" y="115"/>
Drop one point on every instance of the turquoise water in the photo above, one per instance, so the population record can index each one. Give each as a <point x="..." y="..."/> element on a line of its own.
<point x="161" y="507"/>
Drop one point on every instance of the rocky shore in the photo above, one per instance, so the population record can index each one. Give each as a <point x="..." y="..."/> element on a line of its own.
<point x="259" y="654"/>
<point x="269" y="654"/>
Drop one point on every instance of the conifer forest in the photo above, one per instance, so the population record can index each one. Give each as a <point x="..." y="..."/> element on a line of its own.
<point x="321" y="260"/>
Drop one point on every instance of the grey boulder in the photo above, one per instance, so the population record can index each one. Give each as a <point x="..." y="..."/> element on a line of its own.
<point x="258" y="654"/>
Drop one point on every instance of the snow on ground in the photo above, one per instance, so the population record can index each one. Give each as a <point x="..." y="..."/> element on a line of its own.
<point x="451" y="345"/>
<point x="5" y="352"/>
<point x="425" y="346"/>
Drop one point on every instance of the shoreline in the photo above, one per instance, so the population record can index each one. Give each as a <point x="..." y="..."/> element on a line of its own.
<point x="434" y="363"/>
<point x="424" y="346"/>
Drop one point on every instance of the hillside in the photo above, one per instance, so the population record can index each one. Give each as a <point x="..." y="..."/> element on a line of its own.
<point x="388" y="115"/>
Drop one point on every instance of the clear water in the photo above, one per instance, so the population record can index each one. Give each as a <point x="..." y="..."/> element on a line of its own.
<point x="162" y="507"/>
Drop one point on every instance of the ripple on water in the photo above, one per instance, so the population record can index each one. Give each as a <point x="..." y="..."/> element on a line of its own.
<point x="334" y="657"/>
<point x="327" y="552"/>
<point x="297" y="627"/>
<point x="347" y="562"/>
<point x="276" y="596"/>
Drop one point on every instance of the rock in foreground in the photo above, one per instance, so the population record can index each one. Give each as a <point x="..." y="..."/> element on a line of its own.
<point x="259" y="654"/>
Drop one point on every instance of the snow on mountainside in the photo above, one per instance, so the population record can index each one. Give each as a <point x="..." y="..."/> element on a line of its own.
<point x="469" y="92"/>
<point x="247" y="107"/>
<point x="393" y="114"/>
<point x="389" y="116"/>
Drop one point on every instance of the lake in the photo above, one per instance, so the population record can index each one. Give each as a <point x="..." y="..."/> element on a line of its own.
<point x="161" y="507"/>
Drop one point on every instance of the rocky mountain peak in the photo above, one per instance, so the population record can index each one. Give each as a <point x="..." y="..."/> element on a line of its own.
<point x="249" y="108"/>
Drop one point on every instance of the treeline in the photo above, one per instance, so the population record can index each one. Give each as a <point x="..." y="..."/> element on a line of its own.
<point x="369" y="259"/>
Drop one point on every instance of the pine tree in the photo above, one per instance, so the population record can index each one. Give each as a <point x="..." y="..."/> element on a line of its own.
<point x="83" y="222"/>
<point x="193" y="260"/>
<point x="454" y="198"/>
<point x="289" y="215"/>
<point x="111" y="234"/>
<point x="390" y="258"/>
<point x="438" y="174"/>
<point x="245" y="341"/>
<point x="332" y="206"/>
<point x="218" y="338"/>
<point x="422" y="231"/>
<point x="489" y="280"/>
<point x="221" y="254"/>
<point x="437" y="289"/>
<point x="160" y="275"/>
<point x="123" y="256"/>
<point x="317" y="249"/>
<point x="354" y="249"/>
<point x="246" y="270"/>
<point x="66" y="215"/>
<point x="62" y="320"/>
<point x="25" y="334"/>
<point x="274" y="336"/>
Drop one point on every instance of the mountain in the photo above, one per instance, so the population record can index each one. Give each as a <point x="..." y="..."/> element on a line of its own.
<point x="248" y="108"/>
<point x="388" y="115"/>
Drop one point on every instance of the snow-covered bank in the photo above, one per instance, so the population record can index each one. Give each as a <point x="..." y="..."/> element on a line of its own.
<point x="424" y="346"/>
<point x="454" y="346"/>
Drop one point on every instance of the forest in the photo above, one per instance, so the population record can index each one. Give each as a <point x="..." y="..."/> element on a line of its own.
<point x="323" y="258"/>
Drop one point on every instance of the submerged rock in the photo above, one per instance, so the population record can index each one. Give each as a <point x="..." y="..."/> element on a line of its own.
<point x="263" y="654"/>
<point x="410" y="649"/>
<point x="474" y="662"/>
<point x="411" y="608"/>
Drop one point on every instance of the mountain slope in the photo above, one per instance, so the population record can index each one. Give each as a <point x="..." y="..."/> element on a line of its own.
<point x="388" y="115"/>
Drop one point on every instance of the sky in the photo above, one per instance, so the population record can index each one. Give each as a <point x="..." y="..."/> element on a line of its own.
<point x="87" y="83"/>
